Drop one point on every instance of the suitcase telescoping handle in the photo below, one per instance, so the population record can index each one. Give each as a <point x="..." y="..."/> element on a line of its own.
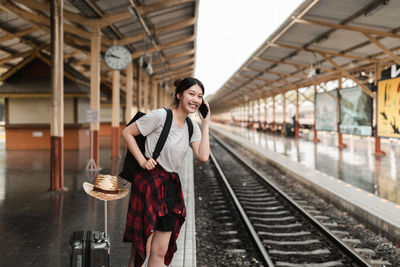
<point x="105" y="219"/>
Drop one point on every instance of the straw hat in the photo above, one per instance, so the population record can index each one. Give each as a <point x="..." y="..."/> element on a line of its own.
<point x="105" y="187"/>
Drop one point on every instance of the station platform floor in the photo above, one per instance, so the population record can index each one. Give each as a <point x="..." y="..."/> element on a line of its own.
<point x="356" y="164"/>
<point x="352" y="178"/>
<point x="35" y="225"/>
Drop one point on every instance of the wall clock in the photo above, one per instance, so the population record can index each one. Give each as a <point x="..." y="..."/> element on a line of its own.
<point x="117" y="57"/>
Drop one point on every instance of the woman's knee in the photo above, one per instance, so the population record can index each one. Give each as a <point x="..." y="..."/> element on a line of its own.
<point x="158" y="249"/>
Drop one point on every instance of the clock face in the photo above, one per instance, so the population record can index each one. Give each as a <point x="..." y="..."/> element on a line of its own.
<point x="117" y="57"/>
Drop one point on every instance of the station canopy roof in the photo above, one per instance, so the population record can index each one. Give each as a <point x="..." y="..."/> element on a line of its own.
<point x="330" y="37"/>
<point x="163" y="31"/>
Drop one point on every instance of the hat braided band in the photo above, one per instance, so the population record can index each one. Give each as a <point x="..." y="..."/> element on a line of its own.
<point x="111" y="192"/>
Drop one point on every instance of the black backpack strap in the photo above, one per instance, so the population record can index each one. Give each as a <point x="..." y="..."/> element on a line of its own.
<point x="164" y="134"/>
<point x="190" y="127"/>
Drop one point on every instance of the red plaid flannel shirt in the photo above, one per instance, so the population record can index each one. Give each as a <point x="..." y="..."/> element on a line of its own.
<point x="145" y="204"/>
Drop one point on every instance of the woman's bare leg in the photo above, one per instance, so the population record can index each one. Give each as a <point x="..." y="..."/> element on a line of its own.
<point x="148" y="244"/>
<point x="132" y="258"/>
<point x="159" y="247"/>
<point x="133" y="251"/>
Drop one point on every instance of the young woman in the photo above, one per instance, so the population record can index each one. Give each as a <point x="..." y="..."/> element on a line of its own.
<point x="156" y="207"/>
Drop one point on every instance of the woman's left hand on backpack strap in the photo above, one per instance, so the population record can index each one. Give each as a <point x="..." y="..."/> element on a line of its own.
<point x="149" y="164"/>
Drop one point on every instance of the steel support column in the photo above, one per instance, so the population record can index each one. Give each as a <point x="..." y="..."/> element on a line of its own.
<point x="139" y="87"/>
<point x="265" y="113"/>
<point x="340" y="136"/>
<point x="259" y="113"/>
<point x="316" y="140"/>
<point x="378" y="76"/>
<point x="283" y="129"/>
<point x="129" y="93"/>
<point x="296" y="126"/>
<point x="95" y="90"/>
<point x="145" y="90"/>
<point x="57" y="97"/>
<point x="273" y="114"/>
<point x="115" y="113"/>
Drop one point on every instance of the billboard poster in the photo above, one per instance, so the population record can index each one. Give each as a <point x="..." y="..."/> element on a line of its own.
<point x="388" y="108"/>
<point x="326" y="111"/>
<point x="355" y="112"/>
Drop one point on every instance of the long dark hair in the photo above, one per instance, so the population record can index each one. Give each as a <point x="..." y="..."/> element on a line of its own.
<point x="183" y="85"/>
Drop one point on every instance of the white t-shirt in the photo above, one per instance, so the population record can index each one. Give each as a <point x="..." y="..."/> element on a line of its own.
<point x="177" y="144"/>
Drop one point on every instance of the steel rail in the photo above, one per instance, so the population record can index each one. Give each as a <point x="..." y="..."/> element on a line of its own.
<point x="253" y="232"/>
<point x="324" y="230"/>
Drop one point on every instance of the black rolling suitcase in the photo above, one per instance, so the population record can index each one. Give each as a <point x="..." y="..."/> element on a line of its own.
<point x="99" y="249"/>
<point x="77" y="245"/>
<point x="91" y="248"/>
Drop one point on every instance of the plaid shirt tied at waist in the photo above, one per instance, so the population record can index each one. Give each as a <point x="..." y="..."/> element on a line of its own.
<point x="146" y="204"/>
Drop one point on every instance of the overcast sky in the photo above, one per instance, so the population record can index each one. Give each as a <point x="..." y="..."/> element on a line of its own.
<point x="229" y="31"/>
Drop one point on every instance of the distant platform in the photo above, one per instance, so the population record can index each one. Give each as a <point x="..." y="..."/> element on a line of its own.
<point x="356" y="164"/>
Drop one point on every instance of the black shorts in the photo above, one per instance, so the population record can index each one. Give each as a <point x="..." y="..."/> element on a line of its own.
<point x="167" y="223"/>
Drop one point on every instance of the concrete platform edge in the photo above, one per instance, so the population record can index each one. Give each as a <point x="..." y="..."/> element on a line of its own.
<point x="376" y="213"/>
<point x="186" y="243"/>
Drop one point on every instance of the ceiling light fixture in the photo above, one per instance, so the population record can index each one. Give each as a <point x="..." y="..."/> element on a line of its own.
<point x="164" y="86"/>
<point x="149" y="69"/>
<point x="315" y="68"/>
<point x="145" y="63"/>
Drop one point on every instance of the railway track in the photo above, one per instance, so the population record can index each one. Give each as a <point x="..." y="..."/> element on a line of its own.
<point x="222" y="238"/>
<point x="285" y="233"/>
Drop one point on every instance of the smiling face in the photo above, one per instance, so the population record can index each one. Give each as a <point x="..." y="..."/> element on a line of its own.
<point x="191" y="99"/>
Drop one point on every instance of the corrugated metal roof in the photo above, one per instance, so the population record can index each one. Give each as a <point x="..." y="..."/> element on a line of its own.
<point x="33" y="76"/>
<point x="24" y="26"/>
<point x="41" y="86"/>
<point x="332" y="35"/>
